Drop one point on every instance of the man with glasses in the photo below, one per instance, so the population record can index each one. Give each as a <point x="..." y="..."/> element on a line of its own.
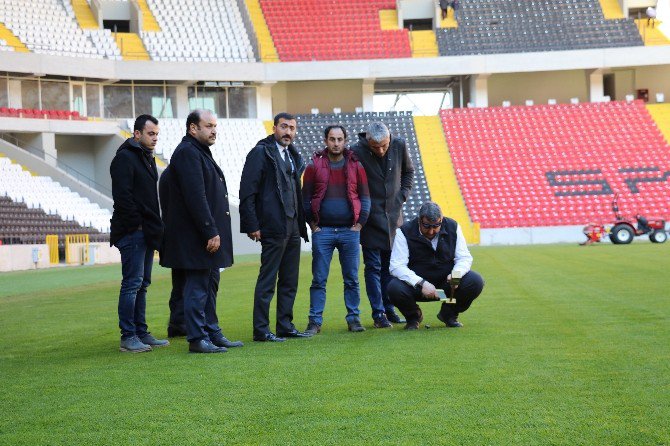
<point x="427" y="251"/>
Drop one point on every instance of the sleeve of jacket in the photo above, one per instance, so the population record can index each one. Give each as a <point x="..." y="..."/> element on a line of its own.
<point x="187" y="169"/>
<point x="407" y="173"/>
<point x="121" y="171"/>
<point x="307" y="192"/>
<point x="363" y="194"/>
<point x="250" y="184"/>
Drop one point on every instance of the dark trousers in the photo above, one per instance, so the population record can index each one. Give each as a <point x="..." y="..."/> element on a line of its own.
<point x="177" y="299"/>
<point x="136" y="263"/>
<point x="377" y="277"/>
<point x="280" y="263"/>
<point x="405" y="296"/>
<point x="200" y="289"/>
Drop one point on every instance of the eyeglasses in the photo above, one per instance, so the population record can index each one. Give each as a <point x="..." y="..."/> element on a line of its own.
<point x="431" y="225"/>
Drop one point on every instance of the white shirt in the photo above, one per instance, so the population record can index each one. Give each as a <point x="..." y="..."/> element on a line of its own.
<point x="400" y="257"/>
<point x="285" y="155"/>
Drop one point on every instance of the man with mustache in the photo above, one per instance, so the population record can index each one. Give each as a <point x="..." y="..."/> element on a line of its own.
<point x="271" y="213"/>
<point x="198" y="239"/>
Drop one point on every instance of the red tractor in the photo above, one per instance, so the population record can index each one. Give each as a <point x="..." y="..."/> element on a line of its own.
<point x="624" y="229"/>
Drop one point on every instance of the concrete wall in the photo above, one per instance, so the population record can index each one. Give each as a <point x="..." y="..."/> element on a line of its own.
<point x="656" y="79"/>
<point x="78" y="153"/>
<point x="541" y="86"/>
<point x="301" y="97"/>
<point x="20" y="257"/>
<point x="416" y="9"/>
<point x="30" y="63"/>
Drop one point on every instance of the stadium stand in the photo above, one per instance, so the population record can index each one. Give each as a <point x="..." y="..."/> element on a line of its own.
<point x="558" y="165"/>
<point x="48" y="27"/>
<point x="6" y="112"/>
<point x="43" y="192"/>
<point x="188" y="34"/>
<point x="310" y="139"/>
<point x="234" y="140"/>
<point x="23" y="225"/>
<point x="352" y="30"/>
<point x="440" y="175"/>
<point x="513" y="26"/>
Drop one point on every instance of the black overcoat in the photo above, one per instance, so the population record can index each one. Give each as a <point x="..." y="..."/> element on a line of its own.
<point x="389" y="190"/>
<point x="195" y="209"/>
<point x="134" y="176"/>
<point x="261" y="203"/>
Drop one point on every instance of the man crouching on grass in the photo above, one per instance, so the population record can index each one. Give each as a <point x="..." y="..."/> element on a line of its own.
<point x="427" y="251"/>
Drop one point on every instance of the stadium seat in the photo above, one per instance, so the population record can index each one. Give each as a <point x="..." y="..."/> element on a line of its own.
<point x="488" y="27"/>
<point x="320" y="30"/>
<point x="41" y="206"/>
<point x="552" y="165"/>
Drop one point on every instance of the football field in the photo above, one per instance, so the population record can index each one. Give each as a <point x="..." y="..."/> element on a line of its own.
<point x="566" y="345"/>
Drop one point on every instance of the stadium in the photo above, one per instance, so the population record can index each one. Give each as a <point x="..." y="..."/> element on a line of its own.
<point x="524" y="120"/>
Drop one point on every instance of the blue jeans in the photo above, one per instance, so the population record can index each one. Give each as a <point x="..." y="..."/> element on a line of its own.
<point x="377" y="277"/>
<point x="136" y="263"/>
<point x="324" y="243"/>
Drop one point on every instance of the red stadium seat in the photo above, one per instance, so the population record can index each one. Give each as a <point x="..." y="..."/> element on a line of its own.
<point x="320" y="30"/>
<point x="557" y="165"/>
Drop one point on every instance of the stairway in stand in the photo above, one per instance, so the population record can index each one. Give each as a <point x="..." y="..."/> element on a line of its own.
<point x="440" y="176"/>
<point x="12" y="40"/>
<point x="131" y="46"/>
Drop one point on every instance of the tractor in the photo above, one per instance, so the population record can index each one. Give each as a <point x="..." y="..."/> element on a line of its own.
<point x="624" y="229"/>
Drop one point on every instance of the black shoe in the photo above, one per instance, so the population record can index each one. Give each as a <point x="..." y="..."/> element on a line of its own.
<point x="449" y="321"/>
<point x="414" y="324"/>
<point x="268" y="337"/>
<point x="382" y="322"/>
<point x="355" y="326"/>
<point x="175" y="331"/>
<point x="205" y="346"/>
<point x="222" y="341"/>
<point x="295" y="334"/>
<point x="392" y="316"/>
<point x="313" y="328"/>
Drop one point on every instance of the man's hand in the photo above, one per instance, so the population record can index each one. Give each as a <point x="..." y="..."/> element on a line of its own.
<point x="213" y="244"/>
<point x="429" y="290"/>
<point x="357" y="227"/>
<point x="255" y="236"/>
<point x="314" y="227"/>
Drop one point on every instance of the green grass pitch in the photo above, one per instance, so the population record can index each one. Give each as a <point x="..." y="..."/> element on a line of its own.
<point x="567" y="345"/>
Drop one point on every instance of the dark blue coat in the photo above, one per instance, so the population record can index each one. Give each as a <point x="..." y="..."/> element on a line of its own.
<point x="195" y="203"/>
<point x="261" y="203"/>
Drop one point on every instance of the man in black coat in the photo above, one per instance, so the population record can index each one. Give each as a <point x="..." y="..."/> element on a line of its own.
<point x="271" y="212"/>
<point x="177" y="325"/>
<point x="198" y="237"/>
<point x="136" y="230"/>
<point x="390" y="177"/>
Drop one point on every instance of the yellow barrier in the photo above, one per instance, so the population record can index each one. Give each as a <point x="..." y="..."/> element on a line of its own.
<point x="76" y="249"/>
<point x="52" y="243"/>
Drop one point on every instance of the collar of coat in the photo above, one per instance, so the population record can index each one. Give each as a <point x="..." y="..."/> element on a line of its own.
<point x="146" y="155"/>
<point x="270" y="146"/>
<point x="348" y="154"/>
